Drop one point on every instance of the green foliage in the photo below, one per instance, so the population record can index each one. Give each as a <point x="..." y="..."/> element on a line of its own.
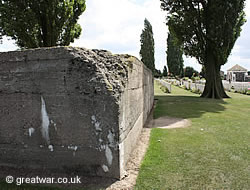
<point x="1" y="34"/>
<point x="174" y="56"/>
<point x="165" y="71"/>
<point x="203" y="72"/>
<point x="241" y="91"/>
<point x="248" y="91"/>
<point x="203" y="79"/>
<point x="183" y="86"/>
<point x="164" y="89"/>
<point x="157" y="73"/>
<point x="41" y="23"/>
<point x="147" y="46"/>
<point x="195" y="78"/>
<point x="206" y="30"/>
<point x="190" y="71"/>
<point x="195" y="90"/>
<point x="197" y="24"/>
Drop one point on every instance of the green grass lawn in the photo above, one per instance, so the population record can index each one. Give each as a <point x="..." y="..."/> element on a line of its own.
<point x="214" y="153"/>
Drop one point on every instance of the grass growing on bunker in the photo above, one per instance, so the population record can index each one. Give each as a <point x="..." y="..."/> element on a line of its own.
<point x="214" y="153"/>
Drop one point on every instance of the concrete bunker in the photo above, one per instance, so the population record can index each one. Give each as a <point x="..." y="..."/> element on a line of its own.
<point x="71" y="109"/>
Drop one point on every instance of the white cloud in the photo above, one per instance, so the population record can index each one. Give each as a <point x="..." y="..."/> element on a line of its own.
<point x="117" y="26"/>
<point x="247" y="8"/>
<point x="192" y="62"/>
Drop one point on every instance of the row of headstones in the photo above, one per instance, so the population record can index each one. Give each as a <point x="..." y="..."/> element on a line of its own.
<point x="165" y="84"/>
<point x="187" y="84"/>
<point x="236" y="86"/>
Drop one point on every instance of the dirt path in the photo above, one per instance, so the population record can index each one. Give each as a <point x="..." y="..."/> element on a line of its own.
<point x="137" y="155"/>
<point x="169" y="123"/>
<point x="134" y="163"/>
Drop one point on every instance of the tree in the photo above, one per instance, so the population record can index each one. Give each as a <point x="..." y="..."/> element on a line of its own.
<point x="1" y="33"/>
<point x="207" y="31"/>
<point x="147" y="46"/>
<point x="203" y="73"/>
<point x="174" y="56"/>
<point x="190" y="71"/>
<point x="157" y="73"/>
<point x="41" y="23"/>
<point x="165" y="71"/>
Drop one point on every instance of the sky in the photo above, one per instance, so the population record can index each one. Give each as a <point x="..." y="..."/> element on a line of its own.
<point x="117" y="26"/>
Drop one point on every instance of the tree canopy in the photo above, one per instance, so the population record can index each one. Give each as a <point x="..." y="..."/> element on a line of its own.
<point x="174" y="56"/>
<point x="190" y="71"/>
<point x="165" y="71"/>
<point x="41" y="23"/>
<point x="207" y="30"/>
<point x="157" y="73"/>
<point x="147" y="46"/>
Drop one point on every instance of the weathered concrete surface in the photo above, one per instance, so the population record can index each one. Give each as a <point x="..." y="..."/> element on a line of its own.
<point x="71" y="109"/>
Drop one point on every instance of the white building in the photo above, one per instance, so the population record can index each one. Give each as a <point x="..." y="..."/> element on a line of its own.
<point x="237" y="74"/>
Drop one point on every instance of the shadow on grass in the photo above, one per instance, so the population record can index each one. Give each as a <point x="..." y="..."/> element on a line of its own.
<point x="186" y="107"/>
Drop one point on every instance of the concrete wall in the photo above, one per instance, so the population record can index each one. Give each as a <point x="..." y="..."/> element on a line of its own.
<point x="71" y="109"/>
<point x="136" y="104"/>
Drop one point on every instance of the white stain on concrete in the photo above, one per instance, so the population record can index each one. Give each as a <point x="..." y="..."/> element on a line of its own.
<point x="111" y="139"/>
<point x="54" y="124"/>
<point x="73" y="148"/>
<point x="103" y="147"/>
<point x="105" y="168"/>
<point x="45" y="122"/>
<point x="97" y="126"/>
<point x="93" y="118"/>
<point x="96" y="123"/>
<point x="51" y="148"/>
<point x="31" y="131"/>
<point x="109" y="156"/>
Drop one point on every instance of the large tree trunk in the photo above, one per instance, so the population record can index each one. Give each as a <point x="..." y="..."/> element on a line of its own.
<point x="214" y="87"/>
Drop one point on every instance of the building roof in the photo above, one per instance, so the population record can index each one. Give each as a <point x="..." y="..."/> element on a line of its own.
<point x="237" y="68"/>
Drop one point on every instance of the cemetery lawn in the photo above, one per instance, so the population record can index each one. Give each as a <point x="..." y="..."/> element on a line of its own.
<point x="214" y="153"/>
